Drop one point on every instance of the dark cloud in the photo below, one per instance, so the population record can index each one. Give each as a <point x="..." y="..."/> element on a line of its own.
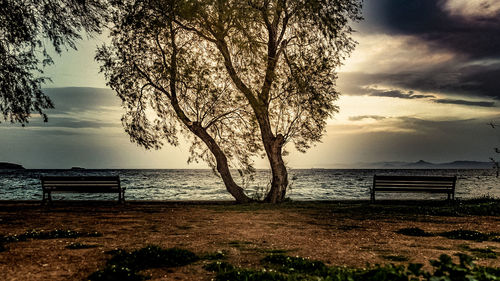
<point x="478" y="80"/>
<point x="428" y="20"/>
<point x="472" y="80"/>
<point x="362" y="117"/>
<point x="399" y="94"/>
<point x="72" y="123"/>
<point x="465" y="102"/>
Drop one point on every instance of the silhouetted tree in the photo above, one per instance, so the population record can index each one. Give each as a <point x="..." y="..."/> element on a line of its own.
<point x="495" y="162"/>
<point x="272" y="62"/>
<point x="27" y="27"/>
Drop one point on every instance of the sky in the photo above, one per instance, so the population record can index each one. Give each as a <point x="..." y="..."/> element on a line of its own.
<point x="422" y="84"/>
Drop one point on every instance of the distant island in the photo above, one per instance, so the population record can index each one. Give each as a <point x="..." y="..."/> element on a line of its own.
<point x="77" y="168"/>
<point x="421" y="164"/>
<point x="10" y="166"/>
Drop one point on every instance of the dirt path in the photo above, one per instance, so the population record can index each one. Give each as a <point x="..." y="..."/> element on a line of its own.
<point x="245" y="233"/>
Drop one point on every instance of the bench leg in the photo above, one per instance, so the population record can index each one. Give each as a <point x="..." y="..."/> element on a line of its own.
<point x="372" y="196"/>
<point x="121" y="196"/>
<point x="46" y="198"/>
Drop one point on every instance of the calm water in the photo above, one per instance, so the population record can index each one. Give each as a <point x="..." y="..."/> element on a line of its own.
<point x="311" y="184"/>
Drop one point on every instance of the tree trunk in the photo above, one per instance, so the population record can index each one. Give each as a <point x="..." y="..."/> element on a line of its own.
<point x="279" y="181"/>
<point x="222" y="166"/>
<point x="273" y="146"/>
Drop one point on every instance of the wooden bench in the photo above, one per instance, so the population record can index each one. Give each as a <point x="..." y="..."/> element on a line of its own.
<point x="81" y="184"/>
<point x="428" y="184"/>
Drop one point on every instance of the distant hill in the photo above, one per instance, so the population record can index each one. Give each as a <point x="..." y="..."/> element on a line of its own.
<point x="421" y="164"/>
<point x="10" y="166"/>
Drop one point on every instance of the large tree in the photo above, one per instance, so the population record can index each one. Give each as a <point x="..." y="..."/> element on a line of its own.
<point x="27" y="29"/>
<point x="274" y="63"/>
<point x="170" y="80"/>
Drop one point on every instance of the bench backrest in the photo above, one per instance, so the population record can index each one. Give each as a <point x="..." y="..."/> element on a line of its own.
<point x="414" y="183"/>
<point x="81" y="183"/>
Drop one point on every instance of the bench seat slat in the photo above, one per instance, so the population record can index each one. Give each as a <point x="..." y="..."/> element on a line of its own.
<point x="80" y="184"/>
<point x="415" y="185"/>
<point x="413" y="182"/>
<point x="415" y="178"/>
<point x="437" y="190"/>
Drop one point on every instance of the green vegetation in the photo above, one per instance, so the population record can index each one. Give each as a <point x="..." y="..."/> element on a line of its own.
<point x="465" y="235"/>
<point x="41" y="234"/>
<point x="75" y="246"/>
<point x="396" y="258"/>
<point x="125" y="265"/>
<point x="219" y="266"/>
<point x="219" y="255"/>
<point x="277" y="251"/>
<point x="482" y="253"/>
<point x="453" y="234"/>
<point x="285" y="268"/>
<point x="484" y="206"/>
<point x="239" y="244"/>
<point x="414" y="231"/>
<point x="289" y="264"/>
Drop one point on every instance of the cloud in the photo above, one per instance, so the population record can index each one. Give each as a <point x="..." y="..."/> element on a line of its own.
<point x="445" y="47"/>
<point x="80" y="99"/>
<point x="362" y="117"/>
<point x="444" y="24"/>
<point x="476" y="10"/>
<point x="465" y="102"/>
<point x="399" y="94"/>
<point x="473" y="79"/>
<point x="73" y="123"/>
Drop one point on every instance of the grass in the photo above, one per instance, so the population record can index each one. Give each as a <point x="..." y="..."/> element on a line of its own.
<point x="125" y="265"/>
<point x="398" y="258"/>
<point x="414" y="231"/>
<point x="461" y="234"/>
<point x="219" y="255"/>
<point x="75" y="246"/>
<point x="277" y="251"/>
<point x="481" y="253"/>
<point x="286" y="268"/>
<point x="41" y="234"/>
<point x="465" y="235"/>
<point x="239" y="244"/>
<point x="219" y="266"/>
<point x="348" y="227"/>
<point x="484" y="206"/>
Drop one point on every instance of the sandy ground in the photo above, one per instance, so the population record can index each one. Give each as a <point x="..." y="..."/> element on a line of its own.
<point x="246" y="233"/>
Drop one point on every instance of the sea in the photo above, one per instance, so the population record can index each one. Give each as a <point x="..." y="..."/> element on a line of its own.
<point x="305" y="184"/>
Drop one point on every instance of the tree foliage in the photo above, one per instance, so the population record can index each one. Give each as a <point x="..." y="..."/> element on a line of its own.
<point x="27" y="29"/>
<point x="255" y="75"/>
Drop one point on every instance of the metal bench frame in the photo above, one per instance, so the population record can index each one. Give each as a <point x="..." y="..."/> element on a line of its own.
<point x="427" y="184"/>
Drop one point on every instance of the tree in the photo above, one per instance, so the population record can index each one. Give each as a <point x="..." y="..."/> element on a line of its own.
<point x="274" y="61"/>
<point x="27" y="27"/>
<point x="495" y="162"/>
<point x="165" y="77"/>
